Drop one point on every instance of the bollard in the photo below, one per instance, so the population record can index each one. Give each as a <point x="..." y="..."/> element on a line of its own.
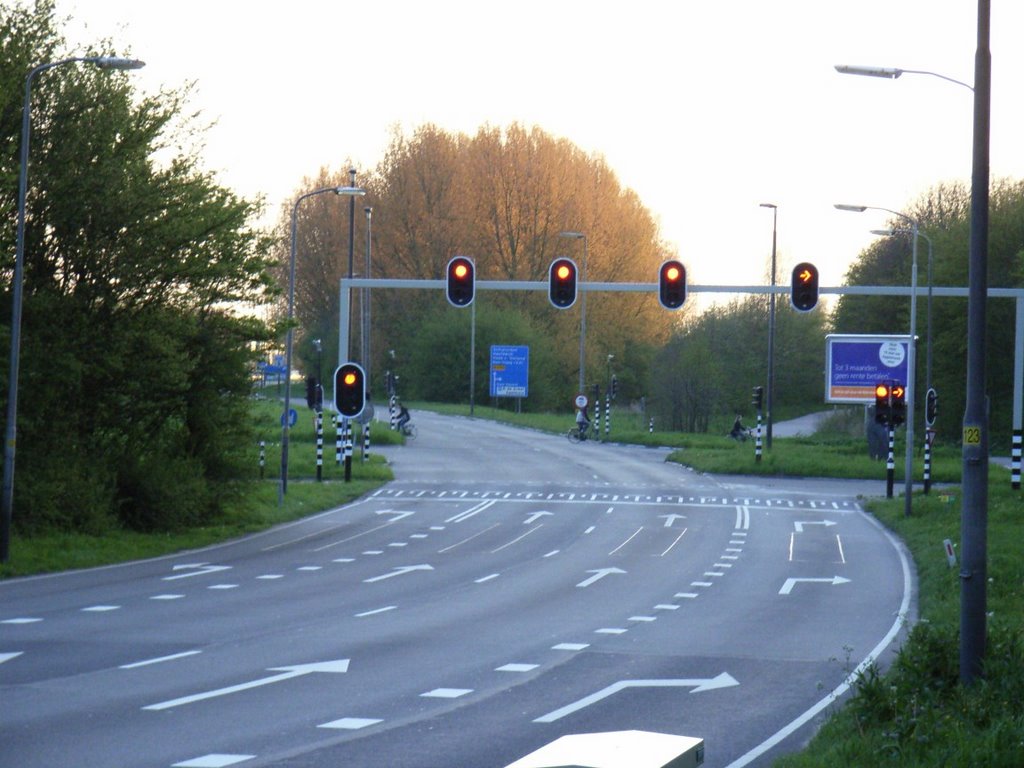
<point x="757" y="441"/>
<point x="650" y="426"/>
<point x="366" y="441"/>
<point x="929" y="434"/>
<point x="339" y="439"/>
<point x="319" y="420"/>
<point x="348" y="450"/>
<point x="890" y="463"/>
<point x="607" y="413"/>
<point x="1015" y="455"/>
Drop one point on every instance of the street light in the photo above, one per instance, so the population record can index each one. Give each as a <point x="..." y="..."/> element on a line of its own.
<point x="583" y="302"/>
<point x="771" y="327"/>
<point x="892" y="73"/>
<point x="7" y="493"/>
<point x="908" y="480"/>
<point x="285" y="425"/>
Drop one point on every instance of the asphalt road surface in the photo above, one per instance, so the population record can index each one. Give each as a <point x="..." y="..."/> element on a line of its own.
<point x="507" y="589"/>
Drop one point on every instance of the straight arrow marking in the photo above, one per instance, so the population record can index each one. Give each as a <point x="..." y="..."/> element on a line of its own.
<point x="724" y="680"/>
<point x="790" y="583"/>
<point x="287" y="673"/>
<point x="398" y="572"/>
<point x="599" y="573"/>
<point x="8" y="656"/>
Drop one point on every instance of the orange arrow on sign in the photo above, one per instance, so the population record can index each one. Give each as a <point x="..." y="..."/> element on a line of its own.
<point x="805" y="276"/>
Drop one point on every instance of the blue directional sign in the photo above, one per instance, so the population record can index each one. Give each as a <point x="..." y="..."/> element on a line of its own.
<point x="510" y="371"/>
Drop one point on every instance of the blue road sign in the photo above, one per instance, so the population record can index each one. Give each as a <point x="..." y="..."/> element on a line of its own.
<point x="855" y="363"/>
<point x="293" y="417"/>
<point x="510" y="371"/>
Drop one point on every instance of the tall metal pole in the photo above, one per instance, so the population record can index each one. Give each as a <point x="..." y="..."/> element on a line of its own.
<point x="583" y="306"/>
<point x="908" y="466"/>
<point x="771" y="328"/>
<point x="364" y="304"/>
<point x="11" y="431"/>
<point x="974" y="510"/>
<point x="351" y="240"/>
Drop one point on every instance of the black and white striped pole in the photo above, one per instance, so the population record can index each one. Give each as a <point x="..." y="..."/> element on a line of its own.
<point x="1015" y="451"/>
<point x="339" y="439"/>
<point x="263" y="457"/>
<point x="366" y="441"/>
<point x="319" y="419"/>
<point x="890" y="462"/>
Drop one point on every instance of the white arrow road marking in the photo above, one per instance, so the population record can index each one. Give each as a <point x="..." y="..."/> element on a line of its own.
<point x="534" y="515"/>
<point x="669" y="519"/>
<point x="195" y="569"/>
<point x="397" y="515"/>
<point x="790" y="583"/>
<point x="599" y="574"/>
<point x="799" y="524"/>
<point x="399" y="571"/>
<point x="287" y="673"/>
<point x="8" y="656"/>
<point x="724" y="680"/>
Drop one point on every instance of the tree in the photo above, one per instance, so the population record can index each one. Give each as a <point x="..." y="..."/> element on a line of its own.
<point x="131" y="350"/>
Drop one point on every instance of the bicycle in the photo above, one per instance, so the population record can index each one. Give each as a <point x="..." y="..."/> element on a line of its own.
<point x="743" y="435"/>
<point x="577" y="435"/>
<point x="409" y="430"/>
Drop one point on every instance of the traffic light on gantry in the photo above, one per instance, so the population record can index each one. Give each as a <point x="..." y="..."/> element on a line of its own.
<point x="460" y="281"/>
<point x="672" y="284"/>
<point x="562" y="277"/>
<point x="349" y="390"/>
<point x="804" y="293"/>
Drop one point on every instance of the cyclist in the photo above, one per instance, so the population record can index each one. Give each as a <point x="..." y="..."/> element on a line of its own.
<point x="582" y="422"/>
<point x="403" y="417"/>
<point x="739" y="432"/>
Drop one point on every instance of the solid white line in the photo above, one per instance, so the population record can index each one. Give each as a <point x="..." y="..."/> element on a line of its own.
<point x="376" y="611"/>
<point x="460" y="543"/>
<point x="160" y="660"/>
<point x="486" y="578"/>
<point x="791" y="541"/>
<point x="518" y="538"/>
<point x="674" y="542"/>
<point x="626" y="541"/>
<point x="839" y="542"/>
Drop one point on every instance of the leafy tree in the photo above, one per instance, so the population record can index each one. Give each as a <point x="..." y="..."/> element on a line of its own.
<point x="133" y="363"/>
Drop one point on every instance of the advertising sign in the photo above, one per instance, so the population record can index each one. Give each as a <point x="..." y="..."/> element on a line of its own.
<point x="510" y="371"/>
<point x="855" y="363"/>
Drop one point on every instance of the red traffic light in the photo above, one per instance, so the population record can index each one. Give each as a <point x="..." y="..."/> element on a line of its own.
<point x="349" y="390"/>
<point x="562" y="283"/>
<point x="460" y="281"/>
<point x="672" y="284"/>
<point x="804" y="287"/>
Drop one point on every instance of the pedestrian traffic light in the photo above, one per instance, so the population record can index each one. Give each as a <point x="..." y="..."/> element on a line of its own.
<point x="672" y="284"/>
<point x="349" y="390"/>
<point x="931" y="406"/>
<point x="883" y="402"/>
<point x="460" y="282"/>
<point x="804" y="294"/>
<point x="562" y="283"/>
<point x="757" y="399"/>
<point x="899" y="404"/>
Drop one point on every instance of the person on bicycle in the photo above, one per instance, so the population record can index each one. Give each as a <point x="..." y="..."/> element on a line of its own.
<point x="738" y="430"/>
<point x="582" y="422"/>
<point x="403" y="417"/>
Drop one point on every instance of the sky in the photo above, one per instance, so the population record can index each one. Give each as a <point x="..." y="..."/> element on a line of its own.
<point x="705" y="109"/>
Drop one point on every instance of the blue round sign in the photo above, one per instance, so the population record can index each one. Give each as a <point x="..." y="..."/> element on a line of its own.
<point x="293" y="417"/>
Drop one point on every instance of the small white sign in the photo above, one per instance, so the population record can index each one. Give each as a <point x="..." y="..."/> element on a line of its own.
<point x="581" y="401"/>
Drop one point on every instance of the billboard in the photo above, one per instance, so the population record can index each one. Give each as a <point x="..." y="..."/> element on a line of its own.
<point x="855" y="363"/>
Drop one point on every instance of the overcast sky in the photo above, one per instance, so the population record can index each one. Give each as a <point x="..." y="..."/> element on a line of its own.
<point x="705" y="109"/>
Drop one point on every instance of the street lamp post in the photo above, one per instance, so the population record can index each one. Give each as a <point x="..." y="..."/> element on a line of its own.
<point x="974" y="508"/>
<point x="364" y="303"/>
<point x="908" y="480"/>
<point x="285" y="426"/>
<point x="583" y="304"/>
<point x="771" y="328"/>
<point x="10" y="436"/>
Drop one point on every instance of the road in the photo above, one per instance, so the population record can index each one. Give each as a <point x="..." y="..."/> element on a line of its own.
<point x="507" y="589"/>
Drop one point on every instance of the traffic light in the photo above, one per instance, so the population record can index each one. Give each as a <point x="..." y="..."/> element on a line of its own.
<point x="460" y="281"/>
<point x="311" y="388"/>
<point x="931" y="406"/>
<point x="899" y="404"/>
<point x="562" y="283"/>
<point x="672" y="284"/>
<point x="757" y="399"/>
<point x="804" y="293"/>
<point x="883" y="402"/>
<point x="349" y="390"/>
<point x="615" y="386"/>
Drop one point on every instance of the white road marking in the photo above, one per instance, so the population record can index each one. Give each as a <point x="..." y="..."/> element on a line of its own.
<point x="160" y="660"/>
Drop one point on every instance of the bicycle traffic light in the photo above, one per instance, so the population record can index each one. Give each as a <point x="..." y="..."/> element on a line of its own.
<point x="931" y="407"/>
<point x="757" y="398"/>
<point x="804" y="292"/>
<point x="349" y="390"/>
<point x="460" y="281"/>
<point x="562" y="277"/>
<point x="899" y="404"/>
<point x="672" y="284"/>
